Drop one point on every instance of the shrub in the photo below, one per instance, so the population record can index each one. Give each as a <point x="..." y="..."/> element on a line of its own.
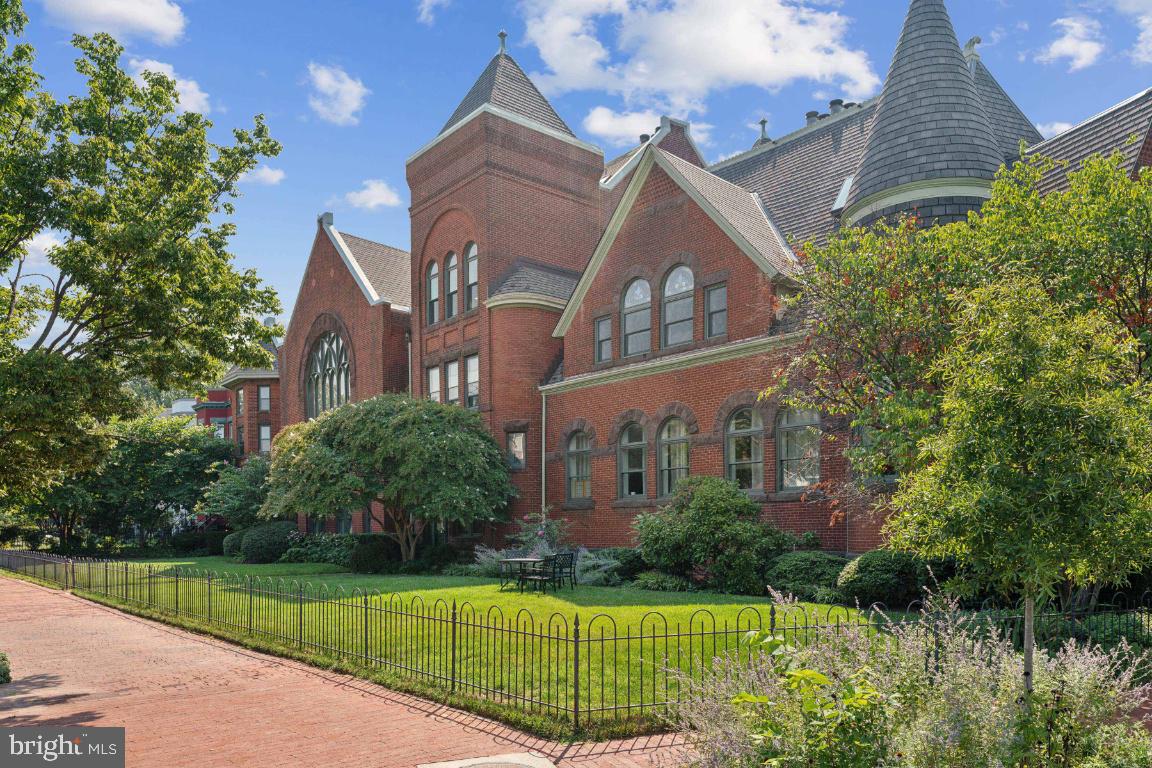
<point x="189" y="542"/>
<point x="214" y="542"/>
<point x="266" y="543"/>
<point x="630" y="563"/>
<point x="709" y="533"/>
<point x="805" y="573"/>
<point x="597" y="568"/>
<point x="658" y="581"/>
<point x="5" y="669"/>
<point x="374" y="553"/>
<point x="895" y="579"/>
<point x="231" y="543"/>
<point x="333" y="548"/>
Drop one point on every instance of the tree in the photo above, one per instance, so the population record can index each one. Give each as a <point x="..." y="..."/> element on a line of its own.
<point x="140" y="283"/>
<point x="410" y="462"/>
<point x="237" y="494"/>
<point x="1042" y="471"/>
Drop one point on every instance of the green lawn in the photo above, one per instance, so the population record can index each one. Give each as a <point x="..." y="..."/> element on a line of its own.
<point x="519" y="652"/>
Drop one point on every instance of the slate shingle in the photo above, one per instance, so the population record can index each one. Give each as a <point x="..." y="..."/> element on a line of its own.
<point x="503" y="84"/>
<point x="388" y="269"/>
<point x="527" y="276"/>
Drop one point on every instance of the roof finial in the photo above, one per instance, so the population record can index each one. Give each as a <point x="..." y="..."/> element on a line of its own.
<point x="502" y="34"/>
<point x="763" y="129"/>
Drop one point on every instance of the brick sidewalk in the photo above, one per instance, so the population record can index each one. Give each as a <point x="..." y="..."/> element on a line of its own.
<point x="189" y="700"/>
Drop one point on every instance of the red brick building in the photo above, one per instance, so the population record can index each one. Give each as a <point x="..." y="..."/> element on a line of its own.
<point x="613" y="322"/>
<point x="215" y="410"/>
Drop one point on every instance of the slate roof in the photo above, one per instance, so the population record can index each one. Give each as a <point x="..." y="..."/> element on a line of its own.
<point x="1009" y="123"/>
<point x="799" y="176"/>
<point x="740" y="208"/>
<point x="526" y="276"/>
<point x="1105" y="133"/>
<point x="615" y="164"/>
<point x="236" y="373"/>
<point x="388" y="269"/>
<point x="503" y="84"/>
<point x="929" y="122"/>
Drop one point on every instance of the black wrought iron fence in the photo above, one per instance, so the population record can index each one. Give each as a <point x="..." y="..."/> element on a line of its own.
<point x="575" y="670"/>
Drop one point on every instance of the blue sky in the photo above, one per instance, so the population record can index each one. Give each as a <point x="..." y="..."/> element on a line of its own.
<point x="352" y="88"/>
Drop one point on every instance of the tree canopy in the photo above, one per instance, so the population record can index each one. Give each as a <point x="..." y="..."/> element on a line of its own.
<point x="238" y="494"/>
<point x="410" y="462"/>
<point x="138" y="281"/>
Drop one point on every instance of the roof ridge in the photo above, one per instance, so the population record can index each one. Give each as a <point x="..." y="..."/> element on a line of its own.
<point x="375" y="242"/>
<point x="1114" y="108"/>
<point x="805" y="130"/>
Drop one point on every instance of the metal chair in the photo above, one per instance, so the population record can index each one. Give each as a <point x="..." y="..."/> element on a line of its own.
<point x="541" y="574"/>
<point x="565" y="568"/>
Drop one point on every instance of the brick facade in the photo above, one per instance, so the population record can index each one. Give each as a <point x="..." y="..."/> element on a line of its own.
<point x="248" y="416"/>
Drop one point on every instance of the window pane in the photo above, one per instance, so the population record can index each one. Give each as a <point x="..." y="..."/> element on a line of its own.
<point x="472" y="276"/>
<point x="453" y="371"/>
<point x="472" y="374"/>
<point x="579" y="467"/>
<point x="680" y="281"/>
<point x="635" y="322"/>
<point x="517" y="454"/>
<point x="451" y="286"/>
<point x="265" y="438"/>
<point x="717" y="310"/>
<point x="638" y="293"/>
<point x="603" y="339"/>
<point x="434" y="383"/>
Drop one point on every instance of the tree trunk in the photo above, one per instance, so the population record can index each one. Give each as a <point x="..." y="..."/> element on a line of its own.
<point x="1029" y="645"/>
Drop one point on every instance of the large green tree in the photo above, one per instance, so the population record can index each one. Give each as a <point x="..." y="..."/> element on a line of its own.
<point x="411" y="462"/>
<point x="1041" y="474"/>
<point x="140" y="282"/>
<point x="238" y="494"/>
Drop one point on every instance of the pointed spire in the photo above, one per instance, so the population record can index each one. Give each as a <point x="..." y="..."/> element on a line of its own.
<point x="930" y="122"/>
<point x="763" y="129"/>
<point x="504" y="85"/>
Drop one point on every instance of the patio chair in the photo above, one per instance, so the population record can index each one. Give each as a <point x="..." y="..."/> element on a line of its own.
<point x="540" y="574"/>
<point x="566" y="568"/>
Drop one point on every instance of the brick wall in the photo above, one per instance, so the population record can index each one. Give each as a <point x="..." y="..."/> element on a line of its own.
<point x="251" y="418"/>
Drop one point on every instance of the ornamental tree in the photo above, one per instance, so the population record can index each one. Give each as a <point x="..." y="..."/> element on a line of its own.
<point x="135" y="201"/>
<point x="1041" y="473"/>
<point x="410" y="462"/>
<point x="238" y="494"/>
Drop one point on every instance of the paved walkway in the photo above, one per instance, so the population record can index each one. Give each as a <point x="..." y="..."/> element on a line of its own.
<point x="188" y="700"/>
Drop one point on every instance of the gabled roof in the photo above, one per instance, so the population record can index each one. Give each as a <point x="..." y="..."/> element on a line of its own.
<point x="799" y="176"/>
<point x="736" y="211"/>
<point x="1105" y="133"/>
<point x="1009" y="122"/>
<point x="616" y="170"/>
<point x="388" y="269"/>
<point x="503" y="84"/>
<point x="930" y="123"/>
<point x="530" y="277"/>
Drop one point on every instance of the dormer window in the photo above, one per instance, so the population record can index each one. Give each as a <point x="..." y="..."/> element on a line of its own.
<point x="636" y="319"/>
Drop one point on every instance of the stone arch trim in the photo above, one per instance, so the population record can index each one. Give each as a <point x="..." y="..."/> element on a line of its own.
<point x="746" y="399"/>
<point x="625" y="418"/>
<point x="679" y="410"/>
<point x="665" y="268"/>
<point x="578" y="425"/>
<point x="633" y="272"/>
<point x="325" y="322"/>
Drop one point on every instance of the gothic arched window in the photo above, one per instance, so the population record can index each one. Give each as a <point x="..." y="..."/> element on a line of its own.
<point x="327" y="386"/>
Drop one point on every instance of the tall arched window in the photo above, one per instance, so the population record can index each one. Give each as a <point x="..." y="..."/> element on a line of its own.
<point x="797" y="450"/>
<point x="632" y="461"/>
<point x="432" y="293"/>
<point x="578" y="463"/>
<point x="636" y="319"/>
<point x="451" y="285"/>
<point x="327" y="385"/>
<point x="672" y="450"/>
<point x="678" y="306"/>
<point x="744" y="449"/>
<point x="471" y="277"/>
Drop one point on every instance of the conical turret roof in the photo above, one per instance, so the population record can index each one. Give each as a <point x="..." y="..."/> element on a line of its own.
<point x="930" y="122"/>
<point x="503" y="84"/>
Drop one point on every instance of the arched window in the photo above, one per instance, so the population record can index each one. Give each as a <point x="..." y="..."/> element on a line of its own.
<point x="744" y="449"/>
<point x="327" y="385"/>
<point x="797" y="449"/>
<point x="432" y="293"/>
<point x="471" y="277"/>
<point x="678" y="306"/>
<point x="672" y="451"/>
<point x="632" y="461"/>
<point x="578" y="463"/>
<point x="451" y="285"/>
<point x="636" y="319"/>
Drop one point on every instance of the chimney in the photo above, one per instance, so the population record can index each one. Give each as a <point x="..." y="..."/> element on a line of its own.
<point x="812" y="117"/>
<point x="644" y="138"/>
<point x="325" y="219"/>
<point x="764" y="129"/>
<point x="836" y="105"/>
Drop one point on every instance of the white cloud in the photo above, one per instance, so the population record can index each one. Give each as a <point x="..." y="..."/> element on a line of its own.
<point x="375" y="193"/>
<point x="1048" y="130"/>
<point x="264" y="174"/>
<point x="426" y="12"/>
<point x="1080" y="42"/>
<point x="620" y="128"/>
<point x="672" y="56"/>
<point x="159" y="20"/>
<point x="37" y="249"/>
<point x="1141" y="13"/>
<point x="336" y="96"/>
<point x="192" y="96"/>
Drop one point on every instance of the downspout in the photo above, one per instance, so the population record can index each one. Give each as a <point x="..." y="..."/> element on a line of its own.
<point x="408" y="341"/>
<point x="543" y="451"/>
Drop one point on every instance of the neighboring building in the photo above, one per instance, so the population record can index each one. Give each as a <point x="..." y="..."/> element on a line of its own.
<point x="215" y="410"/>
<point x="254" y="401"/>
<point x="614" y="322"/>
<point x="181" y="408"/>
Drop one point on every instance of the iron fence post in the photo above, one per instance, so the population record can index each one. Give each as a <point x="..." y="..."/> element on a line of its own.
<point x="177" y="573"/>
<point x="151" y="599"/>
<point x="249" y="578"/>
<point x="125" y="581"/>
<point x="209" y="598"/>
<point x="300" y="615"/>
<point x="453" y="646"/>
<point x="576" y="674"/>
<point x="772" y="619"/>
<point x="67" y="574"/>
<point x="106" y="578"/>
<point x="365" y="622"/>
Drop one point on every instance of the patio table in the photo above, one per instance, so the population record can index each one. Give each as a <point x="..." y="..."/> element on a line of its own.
<point x="512" y="567"/>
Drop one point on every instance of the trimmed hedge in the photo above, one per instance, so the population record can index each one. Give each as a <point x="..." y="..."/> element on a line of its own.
<point x="805" y="574"/>
<point x="266" y="543"/>
<point x="374" y="553"/>
<point x="230" y="545"/>
<point x="894" y="579"/>
<point x="214" y="542"/>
